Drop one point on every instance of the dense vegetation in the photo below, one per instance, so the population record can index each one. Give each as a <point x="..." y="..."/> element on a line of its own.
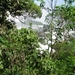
<point x="18" y="48"/>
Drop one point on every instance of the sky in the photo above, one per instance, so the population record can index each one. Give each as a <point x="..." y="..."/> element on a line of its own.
<point x="44" y="12"/>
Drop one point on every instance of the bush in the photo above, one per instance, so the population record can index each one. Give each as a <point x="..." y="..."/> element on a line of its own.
<point x="15" y="49"/>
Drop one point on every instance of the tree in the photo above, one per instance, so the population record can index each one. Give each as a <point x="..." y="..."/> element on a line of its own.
<point x="17" y="7"/>
<point x="50" y="20"/>
<point x="60" y="20"/>
<point x="64" y="18"/>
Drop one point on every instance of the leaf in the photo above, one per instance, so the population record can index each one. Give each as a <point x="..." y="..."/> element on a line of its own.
<point x="28" y="37"/>
<point x="0" y="52"/>
<point x="1" y="39"/>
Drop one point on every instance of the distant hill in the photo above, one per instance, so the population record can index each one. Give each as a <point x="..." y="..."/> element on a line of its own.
<point x="36" y="23"/>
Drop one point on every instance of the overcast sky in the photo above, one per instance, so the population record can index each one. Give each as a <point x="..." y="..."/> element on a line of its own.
<point x="44" y="12"/>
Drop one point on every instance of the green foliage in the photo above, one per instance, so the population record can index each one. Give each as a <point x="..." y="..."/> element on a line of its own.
<point x="67" y="13"/>
<point x="69" y="1"/>
<point x="14" y="53"/>
<point x="65" y="58"/>
<point x="18" y="53"/>
<point x="41" y="64"/>
<point x="17" y="7"/>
